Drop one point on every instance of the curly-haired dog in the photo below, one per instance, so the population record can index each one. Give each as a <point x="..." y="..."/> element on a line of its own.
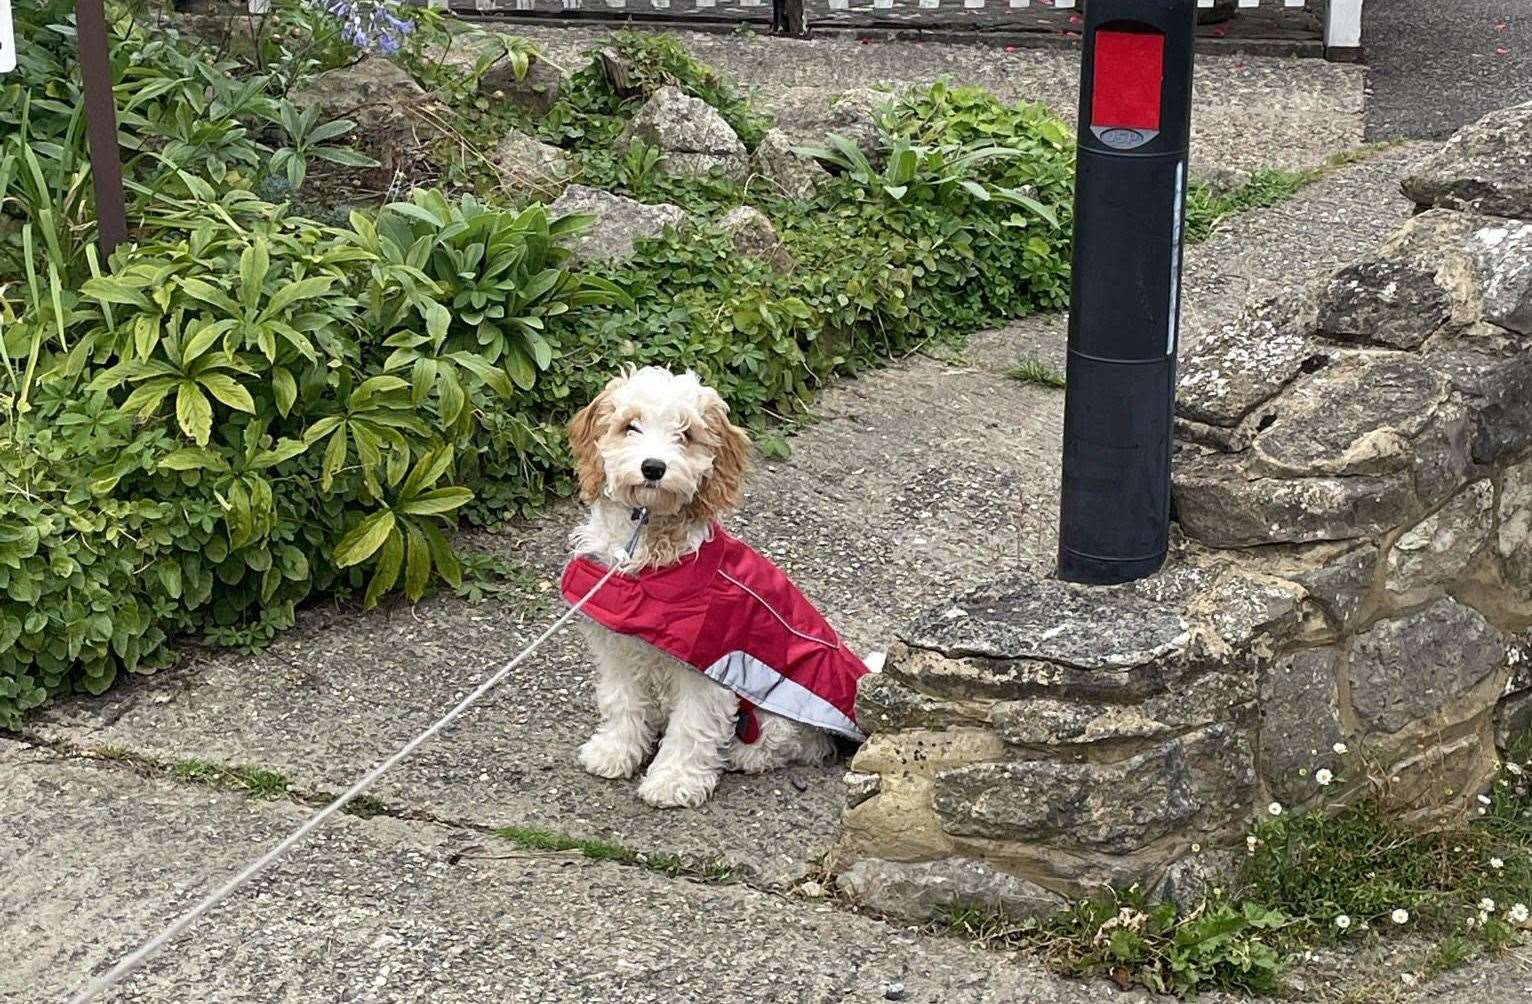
<point x="700" y="643"/>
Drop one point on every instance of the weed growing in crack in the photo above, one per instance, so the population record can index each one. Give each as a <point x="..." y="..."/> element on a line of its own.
<point x="1033" y="370"/>
<point x="255" y="781"/>
<point x="531" y="838"/>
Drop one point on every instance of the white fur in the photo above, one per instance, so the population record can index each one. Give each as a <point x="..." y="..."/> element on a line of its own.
<point x="642" y="694"/>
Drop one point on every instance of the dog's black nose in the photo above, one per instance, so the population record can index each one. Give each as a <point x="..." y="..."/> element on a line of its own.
<point x="652" y="470"/>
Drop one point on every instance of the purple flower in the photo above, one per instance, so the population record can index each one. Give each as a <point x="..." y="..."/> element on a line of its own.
<point x="369" y="24"/>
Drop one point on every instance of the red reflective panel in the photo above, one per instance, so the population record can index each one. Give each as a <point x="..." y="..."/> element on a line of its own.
<point x="1128" y="72"/>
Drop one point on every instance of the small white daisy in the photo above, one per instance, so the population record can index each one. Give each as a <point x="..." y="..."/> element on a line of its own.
<point x="1514" y="769"/>
<point x="1400" y="916"/>
<point x="1323" y="777"/>
<point x="1275" y="808"/>
<point x="1496" y="863"/>
<point x="1343" y="922"/>
<point x="1487" y="905"/>
<point x="1251" y="841"/>
<point x="1341" y="749"/>
<point x="1518" y="913"/>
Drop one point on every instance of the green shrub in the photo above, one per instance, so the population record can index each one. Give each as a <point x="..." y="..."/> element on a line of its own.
<point x="250" y="407"/>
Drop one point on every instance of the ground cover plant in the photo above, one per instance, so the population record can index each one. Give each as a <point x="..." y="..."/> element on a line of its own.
<point x="267" y="396"/>
<point x="1329" y="874"/>
<point x="256" y="401"/>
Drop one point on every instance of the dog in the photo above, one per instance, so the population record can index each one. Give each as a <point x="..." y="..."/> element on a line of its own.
<point x="700" y="644"/>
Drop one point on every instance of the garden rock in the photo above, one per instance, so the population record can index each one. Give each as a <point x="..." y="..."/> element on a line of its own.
<point x="1486" y="167"/>
<point x="530" y="167"/>
<point x="855" y="115"/>
<point x="394" y="115"/>
<point x="755" y="237"/>
<point x="619" y="221"/>
<point x="694" y="138"/>
<point x="535" y="93"/>
<point x="792" y="174"/>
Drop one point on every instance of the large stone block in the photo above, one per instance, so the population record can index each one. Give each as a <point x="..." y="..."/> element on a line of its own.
<point x="1359" y="415"/>
<point x="1408" y="669"/>
<point x="1192" y="703"/>
<point x="1299" y="721"/>
<point x="1191" y="784"/>
<point x="1220" y="503"/>
<point x="1248" y="361"/>
<point x="1435" y="552"/>
<point x="1342" y="584"/>
<point x="793" y="175"/>
<point x="1054" y="622"/>
<point x="920" y="889"/>
<point x="1485" y="167"/>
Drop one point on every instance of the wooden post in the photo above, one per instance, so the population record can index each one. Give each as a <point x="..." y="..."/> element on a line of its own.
<point x="101" y="127"/>
<point x="788" y="17"/>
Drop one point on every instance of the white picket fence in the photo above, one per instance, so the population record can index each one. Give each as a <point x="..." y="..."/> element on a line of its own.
<point x="1342" y="18"/>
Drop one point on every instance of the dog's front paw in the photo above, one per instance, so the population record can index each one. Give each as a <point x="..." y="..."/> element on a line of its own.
<point x="668" y="788"/>
<point x="605" y="756"/>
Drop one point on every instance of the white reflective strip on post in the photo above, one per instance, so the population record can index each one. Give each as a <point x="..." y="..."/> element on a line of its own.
<point x="882" y="4"/>
<point x="1020" y="3"/>
<point x="1343" y="24"/>
<point x="973" y="4"/>
<point x="1175" y="258"/>
<point x="706" y="3"/>
<point x="1249" y="3"/>
<point x="930" y="4"/>
<point x="7" y="38"/>
<point x="839" y="4"/>
<point x="1294" y="3"/>
<point x="1063" y="4"/>
<point x="1204" y="3"/>
<point x="617" y="4"/>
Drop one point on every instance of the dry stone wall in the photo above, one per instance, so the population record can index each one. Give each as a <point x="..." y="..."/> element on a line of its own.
<point x="1351" y="589"/>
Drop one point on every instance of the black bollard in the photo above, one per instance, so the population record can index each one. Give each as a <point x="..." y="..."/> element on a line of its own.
<point x="1130" y="197"/>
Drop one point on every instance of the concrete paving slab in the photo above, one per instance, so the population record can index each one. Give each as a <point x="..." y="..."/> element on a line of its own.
<point x="99" y="857"/>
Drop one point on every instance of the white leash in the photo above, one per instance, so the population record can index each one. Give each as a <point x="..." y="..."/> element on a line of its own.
<point x="138" y="956"/>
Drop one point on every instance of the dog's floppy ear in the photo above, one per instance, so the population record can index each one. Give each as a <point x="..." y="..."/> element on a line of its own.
<point x="724" y="488"/>
<point x="585" y="432"/>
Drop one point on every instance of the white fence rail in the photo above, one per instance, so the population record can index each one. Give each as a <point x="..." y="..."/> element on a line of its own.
<point x="1342" y="18"/>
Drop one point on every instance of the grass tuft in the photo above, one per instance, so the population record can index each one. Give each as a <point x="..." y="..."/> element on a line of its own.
<point x="1033" y="370"/>
<point x="710" y="871"/>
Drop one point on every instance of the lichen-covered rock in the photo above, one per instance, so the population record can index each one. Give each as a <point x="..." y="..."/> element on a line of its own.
<point x="755" y="237"/>
<point x="855" y="115"/>
<point x="790" y="173"/>
<point x="1486" y="167"/>
<point x="534" y="93"/>
<point x="392" y="112"/>
<point x="1356" y="416"/>
<point x="1193" y="703"/>
<point x="1513" y="539"/>
<point x="918" y="890"/>
<point x="1222" y="504"/>
<point x="1248" y="361"/>
<point x="619" y="221"/>
<point x="528" y="166"/>
<point x="1055" y="622"/>
<point x="1300" y="721"/>
<point x="694" y="139"/>
<point x="1438" y="549"/>
<point x="860" y="787"/>
<point x="1341" y="584"/>
<point x="1496" y="391"/>
<point x="1193" y="783"/>
<point x="1407" y="669"/>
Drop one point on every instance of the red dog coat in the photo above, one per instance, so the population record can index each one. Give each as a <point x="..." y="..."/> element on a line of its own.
<point x="728" y="612"/>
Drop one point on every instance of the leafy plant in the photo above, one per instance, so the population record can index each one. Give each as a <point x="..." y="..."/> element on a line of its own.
<point x="307" y="138"/>
<point x="1034" y="370"/>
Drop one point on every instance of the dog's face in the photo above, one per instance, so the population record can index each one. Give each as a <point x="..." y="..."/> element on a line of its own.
<point x="663" y="441"/>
